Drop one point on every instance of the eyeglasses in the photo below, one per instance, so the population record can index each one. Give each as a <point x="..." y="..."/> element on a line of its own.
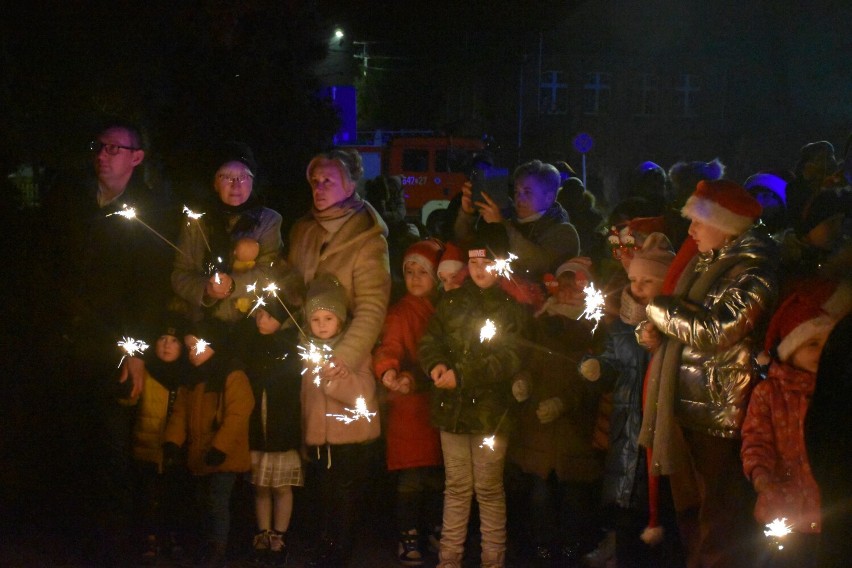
<point x="239" y="180"/>
<point x="112" y="149"/>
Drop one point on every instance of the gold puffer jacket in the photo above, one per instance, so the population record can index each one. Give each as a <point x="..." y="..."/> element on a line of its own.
<point x="722" y="335"/>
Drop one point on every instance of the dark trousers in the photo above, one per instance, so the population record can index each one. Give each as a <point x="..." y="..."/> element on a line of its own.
<point x="726" y="533"/>
<point x="337" y="477"/>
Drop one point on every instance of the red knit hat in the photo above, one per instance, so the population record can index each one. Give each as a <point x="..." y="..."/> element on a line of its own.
<point x="426" y="254"/>
<point x="805" y="313"/>
<point x="723" y="204"/>
<point x="452" y="260"/>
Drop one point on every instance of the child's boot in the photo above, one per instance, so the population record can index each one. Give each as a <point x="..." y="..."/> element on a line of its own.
<point x="408" y="550"/>
<point x="260" y="548"/>
<point x="277" y="548"/>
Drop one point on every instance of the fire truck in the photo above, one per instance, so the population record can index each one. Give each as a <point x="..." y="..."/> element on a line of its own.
<point x="432" y="167"/>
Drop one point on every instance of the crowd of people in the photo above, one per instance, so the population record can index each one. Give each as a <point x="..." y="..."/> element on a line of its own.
<point x="705" y="404"/>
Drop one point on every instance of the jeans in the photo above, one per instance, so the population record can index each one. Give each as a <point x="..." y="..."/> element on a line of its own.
<point x="214" y="493"/>
<point x="472" y="468"/>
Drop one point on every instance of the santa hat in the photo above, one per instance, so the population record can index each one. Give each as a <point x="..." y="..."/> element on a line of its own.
<point x="805" y="313"/>
<point x="581" y="266"/>
<point x="425" y="253"/>
<point x="452" y="260"/>
<point x="654" y="258"/>
<point x="723" y="204"/>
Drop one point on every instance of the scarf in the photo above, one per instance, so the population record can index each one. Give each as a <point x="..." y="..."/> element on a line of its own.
<point x="170" y="375"/>
<point x="225" y="224"/>
<point x="344" y="208"/>
<point x="632" y="312"/>
<point x="660" y="430"/>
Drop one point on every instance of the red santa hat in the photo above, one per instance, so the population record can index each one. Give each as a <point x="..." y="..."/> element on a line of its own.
<point x="425" y="253"/>
<point x="723" y="204"/>
<point x="806" y="313"/>
<point x="452" y="260"/>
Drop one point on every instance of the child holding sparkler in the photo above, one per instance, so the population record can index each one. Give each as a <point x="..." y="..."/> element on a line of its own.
<point x="413" y="444"/>
<point x="159" y="490"/>
<point x="275" y="432"/>
<point x="211" y="417"/>
<point x="338" y="421"/>
<point x="773" y="451"/>
<point x="620" y="369"/>
<point x="472" y="370"/>
<point x="559" y="467"/>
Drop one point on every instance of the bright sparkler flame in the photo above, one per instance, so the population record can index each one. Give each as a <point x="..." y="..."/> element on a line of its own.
<point x="360" y="411"/>
<point x="318" y="357"/>
<point x="594" y="305"/>
<point x="126" y="212"/>
<point x="201" y="346"/>
<point x="487" y="332"/>
<point x="131" y="347"/>
<point x="216" y="278"/>
<point x="192" y="214"/>
<point x="778" y="528"/>
<point x="503" y="266"/>
<point x="488" y="443"/>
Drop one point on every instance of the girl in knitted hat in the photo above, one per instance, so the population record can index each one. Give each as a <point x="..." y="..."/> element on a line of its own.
<point x="774" y="456"/>
<point x="620" y="369"/>
<point x="413" y="444"/>
<point x="339" y="453"/>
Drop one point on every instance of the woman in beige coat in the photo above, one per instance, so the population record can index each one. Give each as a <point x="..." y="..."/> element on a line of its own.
<point x="342" y="236"/>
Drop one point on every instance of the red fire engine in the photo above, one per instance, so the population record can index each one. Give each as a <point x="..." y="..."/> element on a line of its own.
<point x="432" y="167"/>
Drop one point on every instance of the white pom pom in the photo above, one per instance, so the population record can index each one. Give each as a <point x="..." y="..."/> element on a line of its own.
<point x="652" y="536"/>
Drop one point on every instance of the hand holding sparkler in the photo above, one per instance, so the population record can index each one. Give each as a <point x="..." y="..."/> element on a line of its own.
<point x="443" y="377"/>
<point x="220" y="286"/>
<point x="594" y="305"/>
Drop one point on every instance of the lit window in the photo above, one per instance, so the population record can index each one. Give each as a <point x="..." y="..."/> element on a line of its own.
<point x="596" y="93"/>
<point x="553" y="93"/>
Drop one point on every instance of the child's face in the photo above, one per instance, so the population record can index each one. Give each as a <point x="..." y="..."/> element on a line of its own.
<point x="196" y="358"/>
<point x="418" y="281"/>
<point x="168" y="348"/>
<point x="706" y="236"/>
<point x="644" y="288"/>
<point x="324" y="324"/>
<point x="806" y="357"/>
<point x="266" y="324"/>
<point x="568" y="292"/>
<point x="448" y="280"/>
<point x="480" y="274"/>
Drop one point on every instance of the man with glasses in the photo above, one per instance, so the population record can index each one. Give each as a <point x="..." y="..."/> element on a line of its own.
<point x="106" y="277"/>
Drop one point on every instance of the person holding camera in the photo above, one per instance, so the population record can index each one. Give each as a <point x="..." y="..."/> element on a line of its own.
<point x="537" y="226"/>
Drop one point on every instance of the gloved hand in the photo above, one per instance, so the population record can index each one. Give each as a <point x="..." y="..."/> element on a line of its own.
<point x="521" y="390"/>
<point x="549" y="410"/>
<point x="171" y="455"/>
<point x="591" y="369"/>
<point x="214" y="457"/>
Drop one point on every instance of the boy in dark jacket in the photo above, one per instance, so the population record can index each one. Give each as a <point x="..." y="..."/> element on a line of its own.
<point x="471" y="351"/>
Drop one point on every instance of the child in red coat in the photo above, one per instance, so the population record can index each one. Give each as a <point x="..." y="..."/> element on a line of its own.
<point x="413" y="444"/>
<point x="773" y="452"/>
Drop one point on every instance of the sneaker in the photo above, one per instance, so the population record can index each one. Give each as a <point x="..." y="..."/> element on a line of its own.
<point x="408" y="550"/>
<point x="150" y="550"/>
<point x="260" y="548"/>
<point x="277" y="549"/>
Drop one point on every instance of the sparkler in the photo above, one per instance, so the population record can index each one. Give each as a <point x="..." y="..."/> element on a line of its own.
<point x="503" y="266"/>
<point x="319" y="357"/>
<point x="201" y="346"/>
<point x="195" y="217"/>
<point x="487" y="332"/>
<point x="272" y="289"/>
<point x="776" y="530"/>
<point x="594" y="305"/>
<point x="360" y="411"/>
<point x="131" y="347"/>
<point x="488" y="441"/>
<point x="130" y="213"/>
